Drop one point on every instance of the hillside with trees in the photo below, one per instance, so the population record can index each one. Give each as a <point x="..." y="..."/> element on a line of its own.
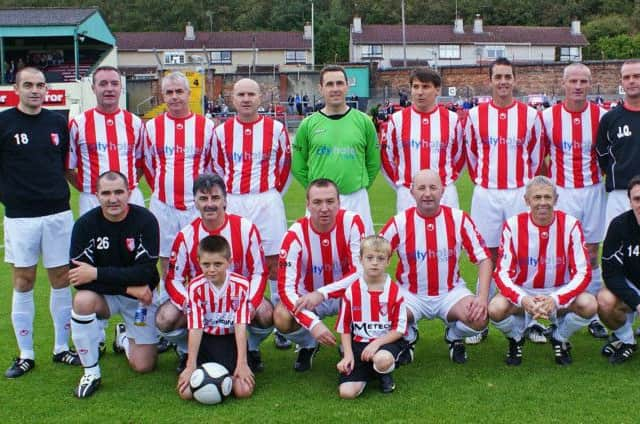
<point x="611" y="26"/>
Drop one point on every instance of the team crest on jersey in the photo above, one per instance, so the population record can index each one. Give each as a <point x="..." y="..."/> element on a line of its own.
<point x="110" y="122"/>
<point x="131" y="244"/>
<point x="235" y="303"/>
<point x="544" y="235"/>
<point x="179" y="126"/>
<point x="383" y="308"/>
<point x="430" y="227"/>
<point x="503" y="115"/>
<point x="425" y="121"/>
<point x="283" y="253"/>
<point x="576" y="121"/>
<point x="247" y="131"/>
<point x="55" y="139"/>
<point x="325" y="242"/>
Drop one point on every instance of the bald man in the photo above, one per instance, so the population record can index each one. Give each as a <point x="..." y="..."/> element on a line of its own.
<point x="569" y="137"/>
<point x="428" y="238"/>
<point x="253" y="154"/>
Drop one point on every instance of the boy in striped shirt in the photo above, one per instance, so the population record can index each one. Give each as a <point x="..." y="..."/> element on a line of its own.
<point x="217" y="318"/>
<point x="372" y="321"/>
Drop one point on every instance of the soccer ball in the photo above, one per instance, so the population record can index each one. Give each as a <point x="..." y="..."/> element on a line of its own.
<point x="210" y="383"/>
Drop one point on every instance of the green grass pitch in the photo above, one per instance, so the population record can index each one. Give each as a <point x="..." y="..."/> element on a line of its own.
<point x="432" y="389"/>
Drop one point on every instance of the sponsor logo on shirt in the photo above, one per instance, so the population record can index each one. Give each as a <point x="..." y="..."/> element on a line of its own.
<point x="442" y="255"/>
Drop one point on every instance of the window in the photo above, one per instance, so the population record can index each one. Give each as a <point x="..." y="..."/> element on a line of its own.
<point x="296" y="56"/>
<point x="371" y="50"/>
<point x="449" y="51"/>
<point x="174" y="58"/>
<point x="221" y="57"/>
<point x="569" y="54"/>
<point x="494" y="52"/>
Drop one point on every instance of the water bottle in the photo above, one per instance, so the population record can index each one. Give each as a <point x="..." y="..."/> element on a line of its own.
<point x="140" y="318"/>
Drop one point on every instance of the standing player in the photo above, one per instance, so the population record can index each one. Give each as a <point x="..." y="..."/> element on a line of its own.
<point x="176" y="151"/>
<point x="246" y="259"/>
<point x="503" y="152"/>
<point x="105" y="138"/>
<point x="254" y="156"/>
<point x="617" y="146"/>
<point x="570" y="130"/>
<point x="218" y="305"/>
<point x="316" y="250"/>
<point x="372" y="321"/>
<point x="114" y="254"/>
<point x="338" y="143"/>
<point x="543" y="270"/>
<point x="35" y="195"/>
<point x="423" y="136"/>
<point x="619" y="301"/>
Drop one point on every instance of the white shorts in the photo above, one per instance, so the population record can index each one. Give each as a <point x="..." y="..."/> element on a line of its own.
<point x="588" y="204"/>
<point x="266" y="211"/>
<point x="430" y="307"/>
<point x="358" y="202"/>
<point x="170" y="222"/>
<point x="328" y="307"/>
<point x="26" y="238"/>
<point x="88" y="201"/>
<point x="404" y="199"/>
<point x="126" y="307"/>
<point x="491" y="207"/>
<point x="617" y="203"/>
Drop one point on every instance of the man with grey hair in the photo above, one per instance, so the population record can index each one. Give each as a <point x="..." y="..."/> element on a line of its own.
<point x="543" y="270"/>
<point x="569" y="136"/>
<point x="177" y="150"/>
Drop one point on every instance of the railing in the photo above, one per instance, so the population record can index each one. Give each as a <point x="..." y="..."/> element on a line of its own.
<point x="148" y="104"/>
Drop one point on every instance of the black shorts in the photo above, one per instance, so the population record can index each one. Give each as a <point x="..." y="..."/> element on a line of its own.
<point x="363" y="371"/>
<point x="220" y="349"/>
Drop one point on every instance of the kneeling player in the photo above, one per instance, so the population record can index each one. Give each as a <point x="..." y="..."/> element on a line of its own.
<point x="619" y="302"/>
<point x="543" y="270"/>
<point x="372" y="320"/>
<point x="218" y="315"/>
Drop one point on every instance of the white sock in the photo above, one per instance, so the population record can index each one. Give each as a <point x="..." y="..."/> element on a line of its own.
<point x="301" y="337"/>
<point x="257" y="335"/>
<point x="570" y="324"/>
<point x="273" y="289"/>
<point x="177" y="337"/>
<point x="625" y="333"/>
<point x="60" y="308"/>
<point x="459" y="330"/>
<point x="22" y="314"/>
<point x="85" y="332"/>
<point x="512" y="326"/>
<point x="412" y="333"/>
<point x="104" y="324"/>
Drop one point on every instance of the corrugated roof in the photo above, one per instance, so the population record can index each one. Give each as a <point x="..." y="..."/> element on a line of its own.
<point x="212" y="40"/>
<point x="443" y="34"/>
<point x="49" y="16"/>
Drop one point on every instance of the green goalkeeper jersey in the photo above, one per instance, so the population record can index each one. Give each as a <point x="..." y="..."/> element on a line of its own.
<point x="343" y="148"/>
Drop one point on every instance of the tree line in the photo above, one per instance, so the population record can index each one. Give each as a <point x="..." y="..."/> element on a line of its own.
<point x="611" y="26"/>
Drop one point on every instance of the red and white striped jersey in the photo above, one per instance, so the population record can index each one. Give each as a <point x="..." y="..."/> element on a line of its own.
<point x="309" y="260"/>
<point x="176" y="152"/>
<point x="247" y="258"/>
<point x="417" y="140"/>
<point x="253" y="157"/>
<point x="100" y="142"/>
<point x="368" y="315"/>
<point x="217" y="310"/>
<point x="503" y="145"/>
<point x="570" y="140"/>
<point x="532" y="257"/>
<point x="428" y="248"/>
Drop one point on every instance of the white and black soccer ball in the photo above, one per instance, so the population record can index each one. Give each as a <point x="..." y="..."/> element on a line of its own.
<point x="210" y="383"/>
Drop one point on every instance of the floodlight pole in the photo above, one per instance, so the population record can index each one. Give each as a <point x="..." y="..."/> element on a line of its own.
<point x="404" y="37"/>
